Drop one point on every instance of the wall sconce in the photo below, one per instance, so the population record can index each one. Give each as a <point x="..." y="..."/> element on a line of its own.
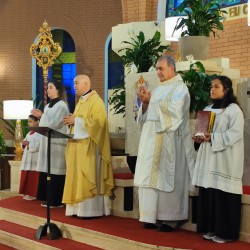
<point x="17" y="110"/>
<point x="170" y="23"/>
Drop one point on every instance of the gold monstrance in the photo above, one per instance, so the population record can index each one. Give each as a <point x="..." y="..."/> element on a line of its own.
<point x="45" y="51"/>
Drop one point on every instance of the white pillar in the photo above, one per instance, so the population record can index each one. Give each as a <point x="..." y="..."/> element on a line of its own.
<point x="15" y="174"/>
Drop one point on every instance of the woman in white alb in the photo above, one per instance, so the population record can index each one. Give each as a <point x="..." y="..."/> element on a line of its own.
<point x="52" y="117"/>
<point x="219" y="167"/>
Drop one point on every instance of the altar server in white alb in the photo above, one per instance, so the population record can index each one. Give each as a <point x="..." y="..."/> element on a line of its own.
<point x="219" y="167"/>
<point x="52" y="117"/>
<point x="29" y="175"/>
<point x="166" y="156"/>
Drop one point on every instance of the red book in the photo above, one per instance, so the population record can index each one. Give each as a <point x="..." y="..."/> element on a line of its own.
<point x="204" y="123"/>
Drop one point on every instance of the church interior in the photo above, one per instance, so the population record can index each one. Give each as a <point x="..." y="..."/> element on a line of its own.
<point x="91" y="35"/>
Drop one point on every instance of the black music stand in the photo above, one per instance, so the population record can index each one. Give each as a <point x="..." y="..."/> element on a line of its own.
<point x="55" y="232"/>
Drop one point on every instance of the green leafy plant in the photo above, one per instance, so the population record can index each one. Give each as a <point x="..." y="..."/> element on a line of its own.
<point x="118" y="98"/>
<point x="3" y="149"/>
<point x="202" y="17"/>
<point x="198" y="83"/>
<point x="143" y="54"/>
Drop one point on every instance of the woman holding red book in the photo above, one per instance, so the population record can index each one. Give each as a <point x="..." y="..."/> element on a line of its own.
<point x="219" y="167"/>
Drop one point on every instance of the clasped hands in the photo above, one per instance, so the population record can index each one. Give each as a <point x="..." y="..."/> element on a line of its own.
<point x="200" y="139"/>
<point x="69" y="119"/>
<point x="25" y="143"/>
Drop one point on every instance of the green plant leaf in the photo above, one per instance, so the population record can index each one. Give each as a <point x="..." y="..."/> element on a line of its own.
<point x="118" y="98"/>
<point x="143" y="54"/>
<point x="202" y="17"/>
<point x="198" y="83"/>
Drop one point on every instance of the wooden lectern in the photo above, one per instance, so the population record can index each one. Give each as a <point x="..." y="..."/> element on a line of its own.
<point x="54" y="232"/>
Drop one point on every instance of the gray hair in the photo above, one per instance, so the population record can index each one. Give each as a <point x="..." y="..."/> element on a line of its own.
<point x="169" y="59"/>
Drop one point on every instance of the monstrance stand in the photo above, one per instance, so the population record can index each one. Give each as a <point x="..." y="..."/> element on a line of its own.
<point x="45" y="51"/>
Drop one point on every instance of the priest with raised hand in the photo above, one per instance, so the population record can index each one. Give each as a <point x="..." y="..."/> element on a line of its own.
<point x="165" y="159"/>
<point x="89" y="177"/>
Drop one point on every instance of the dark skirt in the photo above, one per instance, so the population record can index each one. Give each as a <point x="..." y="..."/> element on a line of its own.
<point x="219" y="212"/>
<point x="56" y="189"/>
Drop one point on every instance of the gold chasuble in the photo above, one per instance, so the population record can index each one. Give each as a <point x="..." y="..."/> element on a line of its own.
<point x="81" y="155"/>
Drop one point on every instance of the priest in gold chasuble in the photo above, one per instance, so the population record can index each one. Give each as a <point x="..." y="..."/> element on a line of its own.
<point x="89" y="177"/>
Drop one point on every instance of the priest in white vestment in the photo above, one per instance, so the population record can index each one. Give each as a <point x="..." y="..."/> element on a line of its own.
<point x="166" y="155"/>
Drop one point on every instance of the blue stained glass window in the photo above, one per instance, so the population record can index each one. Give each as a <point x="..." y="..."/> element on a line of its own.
<point x="115" y="68"/>
<point x="68" y="75"/>
<point x="68" y="43"/>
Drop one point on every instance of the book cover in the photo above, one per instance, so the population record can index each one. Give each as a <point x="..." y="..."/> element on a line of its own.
<point x="204" y="123"/>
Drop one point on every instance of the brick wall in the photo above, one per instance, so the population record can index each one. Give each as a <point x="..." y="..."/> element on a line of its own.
<point x="234" y="43"/>
<point x="139" y="10"/>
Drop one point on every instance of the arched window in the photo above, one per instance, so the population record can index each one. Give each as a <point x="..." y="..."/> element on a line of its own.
<point x="63" y="69"/>
<point x="114" y="69"/>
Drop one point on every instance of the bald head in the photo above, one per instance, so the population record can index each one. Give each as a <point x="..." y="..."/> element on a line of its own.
<point x="82" y="84"/>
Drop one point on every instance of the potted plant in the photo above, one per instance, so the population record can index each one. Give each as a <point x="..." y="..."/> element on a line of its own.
<point x="201" y="19"/>
<point x="140" y="56"/>
<point x="143" y="54"/>
<point x="198" y="83"/>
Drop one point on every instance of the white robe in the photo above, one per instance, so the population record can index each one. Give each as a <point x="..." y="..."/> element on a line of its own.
<point x="220" y="163"/>
<point x="165" y="155"/>
<point x="30" y="156"/>
<point x="53" y="118"/>
<point x="92" y="207"/>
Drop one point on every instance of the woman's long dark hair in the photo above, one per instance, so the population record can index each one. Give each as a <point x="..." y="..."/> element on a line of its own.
<point x="60" y="88"/>
<point x="228" y="88"/>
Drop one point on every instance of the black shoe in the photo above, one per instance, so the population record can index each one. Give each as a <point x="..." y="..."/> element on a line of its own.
<point x="89" y="218"/>
<point x="165" y="228"/>
<point x="150" y="225"/>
